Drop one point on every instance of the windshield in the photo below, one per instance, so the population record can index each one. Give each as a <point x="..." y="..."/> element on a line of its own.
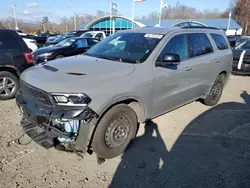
<point x="59" y="38"/>
<point x="243" y="45"/>
<point x="87" y="35"/>
<point x="66" y="42"/>
<point x="126" y="47"/>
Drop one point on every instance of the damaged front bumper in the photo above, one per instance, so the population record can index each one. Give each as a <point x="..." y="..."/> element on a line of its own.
<point x="38" y="122"/>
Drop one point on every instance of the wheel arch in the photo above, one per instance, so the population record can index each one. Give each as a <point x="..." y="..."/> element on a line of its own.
<point x="226" y="76"/>
<point x="134" y="102"/>
<point x="10" y="68"/>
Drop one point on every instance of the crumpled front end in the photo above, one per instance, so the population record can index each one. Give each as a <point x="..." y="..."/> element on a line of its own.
<point x="49" y="124"/>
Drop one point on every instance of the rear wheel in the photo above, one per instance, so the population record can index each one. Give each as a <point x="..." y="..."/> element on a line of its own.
<point x="9" y="84"/>
<point x="215" y="92"/>
<point x="59" y="56"/>
<point x="115" y="131"/>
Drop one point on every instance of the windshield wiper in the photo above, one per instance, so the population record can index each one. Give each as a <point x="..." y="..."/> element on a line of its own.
<point x="103" y="57"/>
<point x="111" y="58"/>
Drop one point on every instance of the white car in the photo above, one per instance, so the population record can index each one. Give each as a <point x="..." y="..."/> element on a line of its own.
<point x="31" y="43"/>
<point x="95" y="34"/>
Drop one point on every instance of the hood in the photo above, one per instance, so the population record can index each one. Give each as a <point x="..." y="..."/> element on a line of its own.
<point x="45" y="50"/>
<point x="75" y="74"/>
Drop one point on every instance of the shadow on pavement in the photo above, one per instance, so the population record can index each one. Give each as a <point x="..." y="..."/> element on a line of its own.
<point x="213" y="151"/>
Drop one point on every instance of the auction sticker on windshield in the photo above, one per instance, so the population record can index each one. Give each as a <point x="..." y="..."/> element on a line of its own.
<point x="156" y="36"/>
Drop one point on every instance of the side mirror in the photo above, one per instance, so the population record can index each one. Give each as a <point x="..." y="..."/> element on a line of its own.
<point x="169" y="59"/>
<point x="74" y="46"/>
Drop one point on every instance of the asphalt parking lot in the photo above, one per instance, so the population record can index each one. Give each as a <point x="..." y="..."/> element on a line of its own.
<point x="194" y="146"/>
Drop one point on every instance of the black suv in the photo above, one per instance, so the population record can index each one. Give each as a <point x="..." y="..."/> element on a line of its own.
<point x="15" y="57"/>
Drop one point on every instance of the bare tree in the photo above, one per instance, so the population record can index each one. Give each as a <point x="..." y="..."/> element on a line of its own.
<point x="243" y="14"/>
<point x="1" y="25"/>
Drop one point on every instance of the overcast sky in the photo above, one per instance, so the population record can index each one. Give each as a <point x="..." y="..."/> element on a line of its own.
<point x="34" y="10"/>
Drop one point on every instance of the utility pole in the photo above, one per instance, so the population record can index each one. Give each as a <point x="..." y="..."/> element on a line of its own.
<point x="14" y="13"/>
<point x="43" y="27"/>
<point x="133" y="12"/>
<point x="110" y="16"/>
<point x="75" y="20"/>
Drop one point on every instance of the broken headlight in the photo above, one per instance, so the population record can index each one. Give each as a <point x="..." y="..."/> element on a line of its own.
<point x="79" y="99"/>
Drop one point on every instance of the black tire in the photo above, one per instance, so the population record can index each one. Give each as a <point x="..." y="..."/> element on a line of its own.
<point x="59" y="56"/>
<point x="105" y="142"/>
<point x="13" y="78"/>
<point x="215" y="92"/>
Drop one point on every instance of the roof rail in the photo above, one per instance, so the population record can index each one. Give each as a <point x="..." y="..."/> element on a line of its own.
<point x="198" y="27"/>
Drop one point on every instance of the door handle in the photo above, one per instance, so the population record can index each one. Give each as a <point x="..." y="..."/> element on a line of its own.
<point x="217" y="61"/>
<point x="189" y="68"/>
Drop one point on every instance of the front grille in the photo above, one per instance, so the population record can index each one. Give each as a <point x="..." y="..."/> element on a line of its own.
<point x="246" y="60"/>
<point x="29" y="90"/>
<point x="236" y="60"/>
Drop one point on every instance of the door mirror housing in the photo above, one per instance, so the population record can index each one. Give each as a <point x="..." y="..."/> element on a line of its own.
<point x="169" y="59"/>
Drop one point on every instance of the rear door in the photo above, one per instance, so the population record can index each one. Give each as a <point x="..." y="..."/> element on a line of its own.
<point x="11" y="50"/>
<point x="205" y="60"/>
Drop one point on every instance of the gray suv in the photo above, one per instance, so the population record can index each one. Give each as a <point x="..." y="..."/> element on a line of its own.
<point x="95" y="102"/>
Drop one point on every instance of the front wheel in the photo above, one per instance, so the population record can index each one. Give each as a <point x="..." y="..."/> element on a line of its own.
<point x="115" y="131"/>
<point x="215" y="92"/>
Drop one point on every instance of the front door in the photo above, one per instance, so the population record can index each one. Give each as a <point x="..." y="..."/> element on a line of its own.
<point x="176" y="85"/>
<point x="80" y="46"/>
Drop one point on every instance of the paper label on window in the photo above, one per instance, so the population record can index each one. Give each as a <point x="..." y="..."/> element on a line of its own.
<point x="156" y="36"/>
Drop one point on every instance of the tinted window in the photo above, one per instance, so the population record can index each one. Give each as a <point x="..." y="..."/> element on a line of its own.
<point x="81" y="43"/>
<point x="220" y="41"/>
<point x="9" y="41"/>
<point x="99" y="36"/>
<point x="87" y="35"/>
<point x="92" y="42"/>
<point x="79" y="33"/>
<point x="199" y="44"/>
<point x="177" y="45"/>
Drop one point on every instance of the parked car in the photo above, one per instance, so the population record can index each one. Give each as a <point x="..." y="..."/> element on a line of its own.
<point x="67" y="47"/>
<point x="236" y="40"/>
<point x="76" y="33"/>
<point x="100" y="35"/>
<point x="55" y="40"/>
<point x="241" y="58"/>
<point x="95" y="101"/>
<point x="29" y="40"/>
<point x="41" y="39"/>
<point x="15" y="57"/>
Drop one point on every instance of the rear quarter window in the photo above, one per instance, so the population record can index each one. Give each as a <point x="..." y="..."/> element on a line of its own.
<point x="220" y="41"/>
<point x="199" y="44"/>
<point x="8" y="41"/>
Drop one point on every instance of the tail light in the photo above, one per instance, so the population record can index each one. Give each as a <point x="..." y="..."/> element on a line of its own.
<point x="29" y="58"/>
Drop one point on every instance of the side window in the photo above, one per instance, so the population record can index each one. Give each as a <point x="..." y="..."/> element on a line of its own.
<point x="220" y="41"/>
<point x="92" y="41"/>
<point x="99" y="36"/>
<point x="9" y="41"/>
<point x="199" y="44"/>
<point x="81" y="43"/>
<point x="177" y="45"/>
